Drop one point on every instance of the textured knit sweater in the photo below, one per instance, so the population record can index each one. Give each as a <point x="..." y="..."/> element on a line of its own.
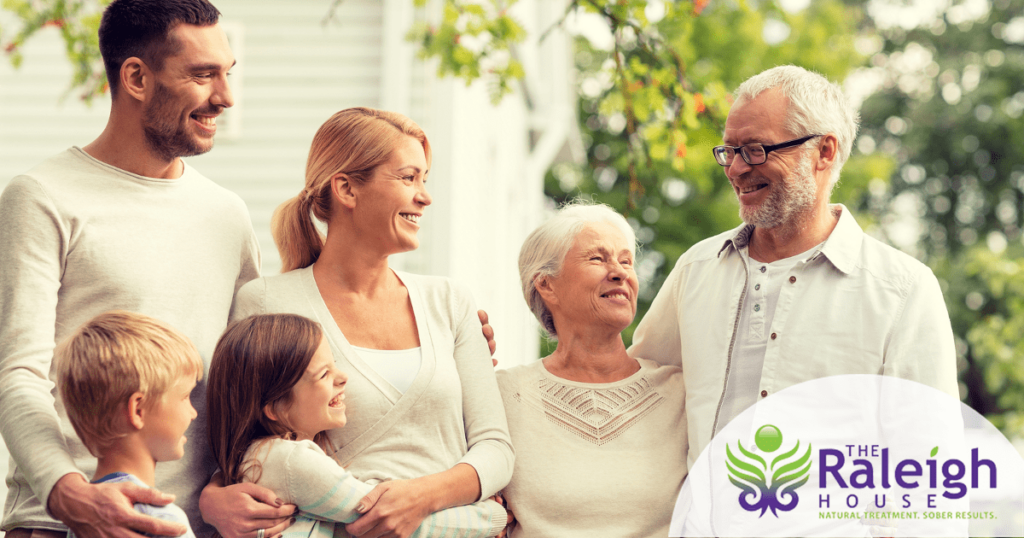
<point x="327" y="495"/>
<point x="78" y="238"/>
<point x="451" y="414"/>
<point x="595" y="459"/>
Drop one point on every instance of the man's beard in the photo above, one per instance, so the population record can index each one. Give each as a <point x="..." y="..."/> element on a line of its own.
<point x="789" y="198"/>
<point x="164" y="134"/>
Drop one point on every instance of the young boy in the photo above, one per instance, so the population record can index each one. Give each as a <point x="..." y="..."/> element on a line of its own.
<point x="125" y="379"/>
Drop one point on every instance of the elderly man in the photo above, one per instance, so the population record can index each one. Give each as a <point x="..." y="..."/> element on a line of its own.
<point x="122" y="223"/>
<point x="798" y="291"/>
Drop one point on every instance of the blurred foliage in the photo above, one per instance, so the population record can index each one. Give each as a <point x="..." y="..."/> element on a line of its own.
<point x="949" y="112"/>
<point x="78" y="22"/>
<point x="473" y="40"/>
<point x="654" y="162"/>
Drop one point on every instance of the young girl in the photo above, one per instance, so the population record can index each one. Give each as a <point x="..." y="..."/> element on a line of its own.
<point x="273" y="391"/>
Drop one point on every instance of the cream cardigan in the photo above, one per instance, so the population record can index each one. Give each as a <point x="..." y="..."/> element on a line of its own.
<point x="451" y="414"/>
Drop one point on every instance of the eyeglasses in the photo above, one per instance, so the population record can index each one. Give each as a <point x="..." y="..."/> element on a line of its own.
<point x="753" y="154"/>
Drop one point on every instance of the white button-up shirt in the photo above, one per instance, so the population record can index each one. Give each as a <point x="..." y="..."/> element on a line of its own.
<point x="857" y="307"/>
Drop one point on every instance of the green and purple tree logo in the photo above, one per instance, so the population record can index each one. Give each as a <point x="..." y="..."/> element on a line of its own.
<point x="768" y="486"/>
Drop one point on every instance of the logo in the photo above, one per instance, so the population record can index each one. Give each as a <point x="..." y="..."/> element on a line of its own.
<point x="851" y="454"/>
<point x="768" y="486"/>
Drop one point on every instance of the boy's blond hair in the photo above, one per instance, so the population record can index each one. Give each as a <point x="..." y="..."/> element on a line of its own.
<point x="109" y="358"/>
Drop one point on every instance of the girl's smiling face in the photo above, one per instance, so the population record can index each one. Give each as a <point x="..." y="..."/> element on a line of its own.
<point x="317" y="401"/>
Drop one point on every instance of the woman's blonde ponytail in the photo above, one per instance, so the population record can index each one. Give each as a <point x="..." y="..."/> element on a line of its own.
<point x="297" y="239"/>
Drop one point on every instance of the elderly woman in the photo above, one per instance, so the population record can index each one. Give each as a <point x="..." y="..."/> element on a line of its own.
<point x="600" y="437"/>
<point x="426" y="417"/>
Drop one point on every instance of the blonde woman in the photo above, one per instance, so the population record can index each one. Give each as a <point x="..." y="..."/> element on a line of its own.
<point x="428" y="421"/>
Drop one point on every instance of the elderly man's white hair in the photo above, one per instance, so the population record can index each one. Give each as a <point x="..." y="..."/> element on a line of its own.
<point x="816" y="106"/>
<point x="544" y="250"/>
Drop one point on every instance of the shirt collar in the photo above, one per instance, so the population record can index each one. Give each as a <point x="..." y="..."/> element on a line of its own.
<point x="739" y="240"/>
<point x="842" y="248"/>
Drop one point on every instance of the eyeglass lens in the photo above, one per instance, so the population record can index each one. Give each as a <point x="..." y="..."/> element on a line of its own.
<point x="751" y="153"/>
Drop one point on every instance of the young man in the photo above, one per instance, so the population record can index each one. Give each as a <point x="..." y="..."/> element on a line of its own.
<point x="798" y="291"/>
<point x="125" y="380"/>
<point x="120" y="224"/>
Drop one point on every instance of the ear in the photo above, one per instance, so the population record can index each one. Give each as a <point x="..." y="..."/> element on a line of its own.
<point x="828" y="152"/>
<point x="135" y="411"/>
<point x="136" y="78"/>
<point x="342" y="190"/>
<point x="271" y="413"/>
<point x="545" y="288"/>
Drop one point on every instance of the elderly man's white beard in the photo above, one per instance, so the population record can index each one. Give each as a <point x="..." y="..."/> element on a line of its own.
<point x="788" y="199"/>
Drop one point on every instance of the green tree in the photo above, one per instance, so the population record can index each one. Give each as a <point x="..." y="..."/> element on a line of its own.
<point x="78" y="21"/>
<point x="949" y="113"/>
<point x="654" y="162"/>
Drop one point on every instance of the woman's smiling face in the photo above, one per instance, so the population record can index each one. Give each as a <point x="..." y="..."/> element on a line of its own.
<point x="597" y="284"/>
<point x="390" y="205"/>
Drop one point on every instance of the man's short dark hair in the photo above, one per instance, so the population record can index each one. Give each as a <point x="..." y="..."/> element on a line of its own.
<point x="141" y="29"/>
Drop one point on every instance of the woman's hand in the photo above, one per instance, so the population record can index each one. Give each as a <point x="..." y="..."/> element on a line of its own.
<point x="393" y="509"/>
<point x="241" y="510"/>
<point x="488" y="334"/>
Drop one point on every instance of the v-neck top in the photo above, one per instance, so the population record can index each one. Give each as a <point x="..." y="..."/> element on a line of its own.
<point x="452" y="412"/>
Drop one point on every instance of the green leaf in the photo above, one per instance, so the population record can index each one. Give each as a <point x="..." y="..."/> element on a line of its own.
<point x="935" y="451"/>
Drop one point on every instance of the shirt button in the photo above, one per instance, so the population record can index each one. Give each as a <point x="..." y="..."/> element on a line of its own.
<point x="764" y="393"/>
<point x="757" y="308"/>
<point x="757" y="286"/>
<point x="763" y="268"/>
<point x="774" y="336"/>
<point x="792" y="279"/>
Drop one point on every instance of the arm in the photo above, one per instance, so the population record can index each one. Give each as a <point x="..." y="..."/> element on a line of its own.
<point x="484" y="469"/>
<point x="249" y="269"/>
<point x="920" y="346"/>
<point x="324" y="490"/>
<point x="34" y="241"/>
<point x="657" y="336"/>
<point x="483" y="518"/>
<point x="490" y="451"/>
<point x="240" y="510"/>
<point x="250" y="299"/>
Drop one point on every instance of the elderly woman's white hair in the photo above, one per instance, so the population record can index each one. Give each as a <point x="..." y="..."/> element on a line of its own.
<point x="816" y="106"/>
<point x="544" y="251"/>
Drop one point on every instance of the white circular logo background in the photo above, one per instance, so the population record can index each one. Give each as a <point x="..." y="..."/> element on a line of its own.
<point x="855" y="455"/>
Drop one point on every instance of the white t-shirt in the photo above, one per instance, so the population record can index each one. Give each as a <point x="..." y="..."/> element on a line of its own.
<point x="398" y="366"/>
